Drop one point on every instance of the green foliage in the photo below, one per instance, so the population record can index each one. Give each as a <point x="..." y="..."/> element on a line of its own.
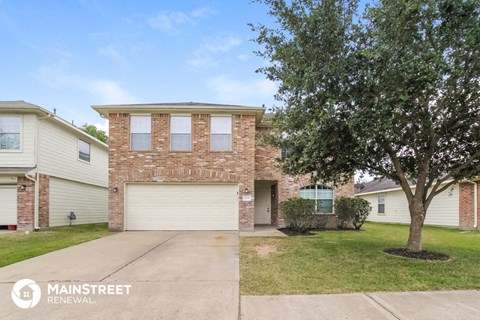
<point x="352" y="211"/>
<point x="299" y="213"/>
<point x="394" y="92"/>
<point x="344" y="209"/>
<point x="94" y="132"/>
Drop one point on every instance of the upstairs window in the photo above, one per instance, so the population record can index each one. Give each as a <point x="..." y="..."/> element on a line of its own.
<point x="285" y="153"/>
<point x="83" y="150"/>
<point x="10" y="129"/>
<point x="322" y="195"/>
<point x="180" y="133"/>
<point x="221" y="133"/>
<point x="141" y="132"/>
<point x="381" y="204"/>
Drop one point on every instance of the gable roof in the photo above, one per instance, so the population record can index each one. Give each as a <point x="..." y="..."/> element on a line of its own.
<point x="378" y="186"/>
<point x="182" y="107"/>
<point x="385" y="185"/>
<point x="20" y="106"/>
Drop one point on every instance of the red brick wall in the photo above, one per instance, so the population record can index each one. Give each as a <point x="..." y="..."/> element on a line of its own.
<point x="478" y="203"/>
<point x="25" y="204"/>
<point x="44" y="201"/>
<point x="266" y="168"/>
<point x="161" y="165"/>
<point x="466" y="205"/>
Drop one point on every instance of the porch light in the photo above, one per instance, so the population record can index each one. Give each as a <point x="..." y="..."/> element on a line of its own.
<point x="23" y="187"/>
<point x="115" y="189"/>
<point x="246" y="191"/>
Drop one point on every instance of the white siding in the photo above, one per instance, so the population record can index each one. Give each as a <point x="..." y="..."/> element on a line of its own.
<point x="25" y="157"/>
<point x="443" y="211"/>
<point x="90" y="203"/>
<point x="58" y="155"/>
<point x="8" y="202"/>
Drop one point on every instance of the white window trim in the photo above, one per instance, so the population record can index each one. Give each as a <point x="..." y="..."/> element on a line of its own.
<point x="191" y="129"/>
<point x="231" y="131"/>
<point x="317" y="198"/>
<point x="130" y="131"/>
<point x="384" y="213"/>
<point x="78" y="152"/>
<point x="20" y="149"/>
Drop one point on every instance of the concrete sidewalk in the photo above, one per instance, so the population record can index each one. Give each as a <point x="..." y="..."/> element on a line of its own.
<point x="437" y="305"/>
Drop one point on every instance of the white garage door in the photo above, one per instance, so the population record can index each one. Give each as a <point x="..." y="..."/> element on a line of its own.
<point x="8" y="203"/>
<point x="181" y="207"/>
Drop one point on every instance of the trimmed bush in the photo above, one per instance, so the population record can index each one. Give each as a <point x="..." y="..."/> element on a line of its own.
<point x="299" y="214"/>
<point x="351" y="211"/>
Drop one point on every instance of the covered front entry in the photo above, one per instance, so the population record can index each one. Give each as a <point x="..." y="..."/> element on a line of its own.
<point x="181" y="207"/>
<point x="263" y="202"/>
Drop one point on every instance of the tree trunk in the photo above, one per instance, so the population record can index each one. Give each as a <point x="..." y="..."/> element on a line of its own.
<point x="417" y="215"/>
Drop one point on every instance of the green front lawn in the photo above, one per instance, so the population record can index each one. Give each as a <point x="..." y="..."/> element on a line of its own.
<point x="20" y="246"/>
<point x="348" y="261"/>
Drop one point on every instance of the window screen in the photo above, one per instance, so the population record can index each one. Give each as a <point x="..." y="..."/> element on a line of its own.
<point x="180" y="133"/>
<point x="221" y="133"/>
<point x="141" y="132"/>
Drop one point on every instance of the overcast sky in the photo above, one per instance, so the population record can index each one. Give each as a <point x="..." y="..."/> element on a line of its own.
<point x="70" y="54"/>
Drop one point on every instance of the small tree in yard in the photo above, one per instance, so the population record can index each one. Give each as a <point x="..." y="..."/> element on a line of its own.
<point x="394" y="93"/>
<point x="352" y="210"/>
<point x="299" y="214"/>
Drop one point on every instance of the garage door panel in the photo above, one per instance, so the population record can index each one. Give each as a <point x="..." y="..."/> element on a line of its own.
<point x="181" y="207"/>
<point x="8" y="201"/>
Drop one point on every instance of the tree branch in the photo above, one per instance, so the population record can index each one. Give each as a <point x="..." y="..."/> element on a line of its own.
<point x="401" y="175"/>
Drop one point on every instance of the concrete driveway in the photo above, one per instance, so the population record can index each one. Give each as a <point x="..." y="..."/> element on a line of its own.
<point x="133" y="275"/>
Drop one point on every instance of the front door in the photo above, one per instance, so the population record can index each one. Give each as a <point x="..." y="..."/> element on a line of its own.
<point x="263" y="203"/>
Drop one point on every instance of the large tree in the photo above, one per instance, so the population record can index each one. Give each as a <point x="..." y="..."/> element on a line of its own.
<point x="95" y="132"/>
<point x="393" y="92"/>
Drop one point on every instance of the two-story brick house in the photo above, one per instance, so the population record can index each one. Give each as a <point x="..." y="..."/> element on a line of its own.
<point x="48" y="168"/>
<point x="196" y="166"/>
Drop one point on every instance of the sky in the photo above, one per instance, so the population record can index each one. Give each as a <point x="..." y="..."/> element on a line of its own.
<point x="72" y="54"/>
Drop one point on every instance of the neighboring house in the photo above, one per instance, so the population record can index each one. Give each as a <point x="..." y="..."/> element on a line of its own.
<point x="196" y="166"/>
<point x="455" y="207"/>
<point x="49" y="168"/>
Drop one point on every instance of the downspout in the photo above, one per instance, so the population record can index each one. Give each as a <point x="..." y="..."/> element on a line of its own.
<point x="36" y="196"/>
<point x="475" y="204"/>
<point x="36" y="178"/>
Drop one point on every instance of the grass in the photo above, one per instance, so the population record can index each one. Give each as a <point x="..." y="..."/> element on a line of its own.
<point x="20" y="246"/>
<point x="346" y="261"/>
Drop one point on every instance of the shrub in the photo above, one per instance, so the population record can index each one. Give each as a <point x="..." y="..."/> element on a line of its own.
<point x="351" y="210"/>
<point x="362" y="211"/>
<point x="299" y="213"/>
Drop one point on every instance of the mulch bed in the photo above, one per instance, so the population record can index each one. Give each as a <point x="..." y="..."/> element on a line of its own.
<point x="423" y="255"/>
<point x="293" y="233"/>
<point x="310" y="232"/>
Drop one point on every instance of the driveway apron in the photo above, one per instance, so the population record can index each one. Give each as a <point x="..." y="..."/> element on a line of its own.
<point x="132" y="275"/>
